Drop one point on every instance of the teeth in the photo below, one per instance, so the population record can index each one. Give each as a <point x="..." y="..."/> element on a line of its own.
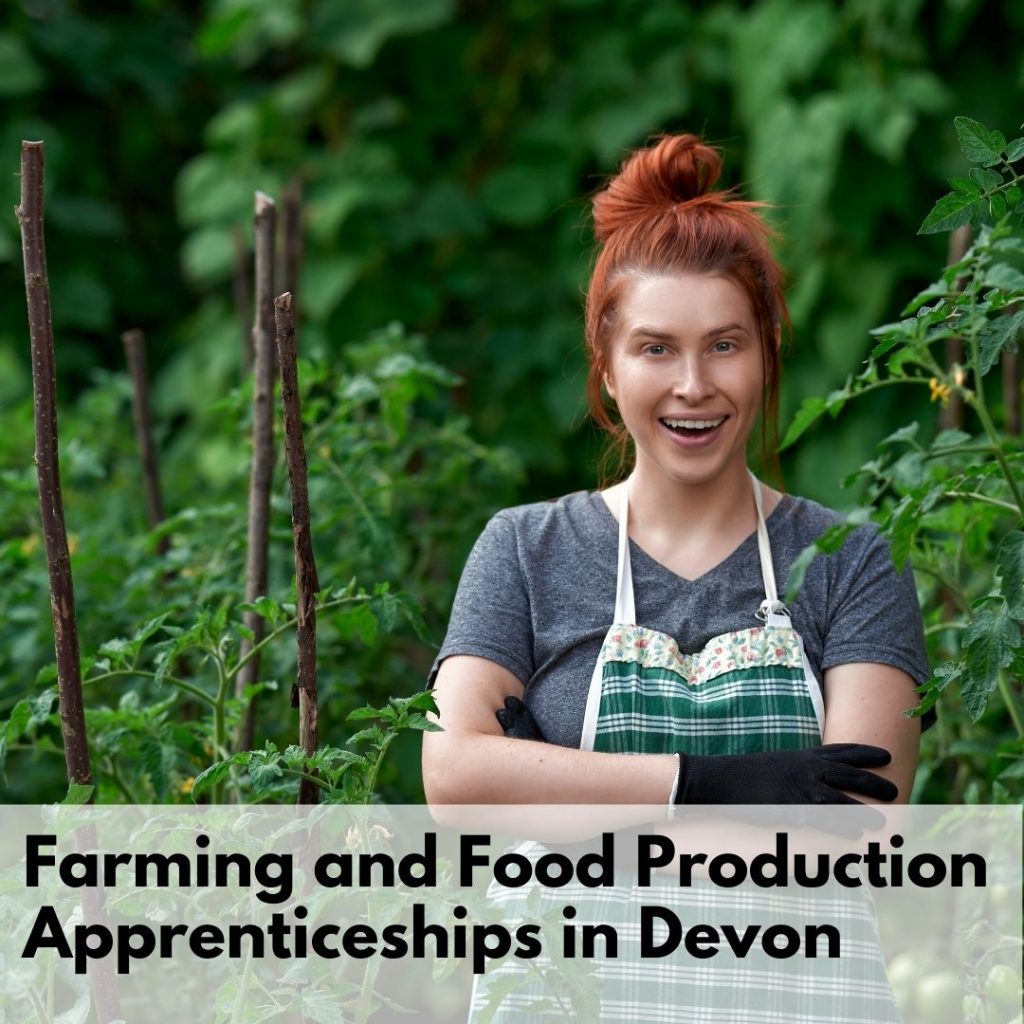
<point x="693" y="424"/>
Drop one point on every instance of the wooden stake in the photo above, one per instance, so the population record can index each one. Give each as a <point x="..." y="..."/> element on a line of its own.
<point x="952" y="414"/>
<point x="44" y="390"/>
<point x="135" y="354"/>
<point x="261" y="477"/>
<point x="306" y="582"/>
<point x="242" y="296"/>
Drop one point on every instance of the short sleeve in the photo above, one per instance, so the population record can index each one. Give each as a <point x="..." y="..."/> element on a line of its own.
<point x="877" y="617"/>
<point x="491" y="614"/>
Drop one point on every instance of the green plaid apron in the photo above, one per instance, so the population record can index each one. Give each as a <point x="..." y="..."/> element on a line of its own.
<point x="749" y="690"/>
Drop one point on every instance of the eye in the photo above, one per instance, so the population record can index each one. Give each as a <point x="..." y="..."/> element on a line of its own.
<point x="724" y="345"/>
<point x="655" y="349"/>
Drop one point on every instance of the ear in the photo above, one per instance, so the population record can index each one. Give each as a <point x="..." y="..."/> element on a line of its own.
<point x="606" y="378"/>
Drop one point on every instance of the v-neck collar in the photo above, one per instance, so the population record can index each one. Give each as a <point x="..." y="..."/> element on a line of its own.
<point x="649" y="561"/>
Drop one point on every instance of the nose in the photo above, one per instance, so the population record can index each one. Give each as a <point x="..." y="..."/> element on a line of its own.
<point x="692" y="381"/>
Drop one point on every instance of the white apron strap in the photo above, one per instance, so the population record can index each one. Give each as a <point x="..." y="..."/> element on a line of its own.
<point x="625" y="614"/>
<point x="774" y="613"/>
<point x="625" y="609"/>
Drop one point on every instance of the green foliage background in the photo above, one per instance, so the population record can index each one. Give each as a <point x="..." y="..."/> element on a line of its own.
<point x="448" y="149"/>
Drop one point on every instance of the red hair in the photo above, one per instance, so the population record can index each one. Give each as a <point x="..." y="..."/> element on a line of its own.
<point x="661" y="215"/>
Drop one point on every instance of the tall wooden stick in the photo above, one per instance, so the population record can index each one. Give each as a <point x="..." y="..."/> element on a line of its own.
<point x="261" y="476"/>
<point x="306" y="582"/>
<point x="134" y="342"/>
<point x="44" y="390"/>
<point x="58" y="558"/>
<point x="952" y="414"/>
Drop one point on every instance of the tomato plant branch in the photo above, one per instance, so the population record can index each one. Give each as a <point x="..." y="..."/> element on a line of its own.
<point x="181" y="684"/>
<point x="51" y="503"/>
<point x="983" y="498"/>
<point x="1012" y="706"/>
<point x="326" y="606"/>
<point x="976" y="400"/>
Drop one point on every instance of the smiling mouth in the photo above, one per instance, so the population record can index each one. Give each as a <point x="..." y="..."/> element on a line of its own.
<point x="693" y="427"/>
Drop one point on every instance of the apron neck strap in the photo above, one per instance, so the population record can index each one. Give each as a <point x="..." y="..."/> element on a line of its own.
<point x="625" y="609"/>
<point x="771" y="604"/>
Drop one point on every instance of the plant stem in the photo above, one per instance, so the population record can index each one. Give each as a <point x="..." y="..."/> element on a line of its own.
<point x="188" y="688"/>
<point x="977" y="403"/>
<point x="1011" y="703"/>
<point x="371" y="782"/>
<point x="121" y="783"/>
<point x="278" y="630"/>
<point x="51" y="503"/>
<point x="978" y="496"/>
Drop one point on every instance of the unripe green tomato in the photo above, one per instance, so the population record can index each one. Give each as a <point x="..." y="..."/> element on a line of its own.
<point x="1002" y="988"/>
<point x="939" y="998"/>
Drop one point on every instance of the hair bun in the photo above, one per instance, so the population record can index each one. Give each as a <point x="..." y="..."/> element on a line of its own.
<point x="676" y="169"/>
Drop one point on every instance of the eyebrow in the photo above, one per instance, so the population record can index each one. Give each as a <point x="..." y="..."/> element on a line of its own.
<point x="653" y="332"/>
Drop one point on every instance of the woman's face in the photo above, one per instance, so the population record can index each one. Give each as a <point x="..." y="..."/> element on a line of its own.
<point x="686" y="372"/>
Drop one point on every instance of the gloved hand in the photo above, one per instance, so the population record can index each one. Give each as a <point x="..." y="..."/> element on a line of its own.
<point x="812" y="776"/>
<point x="516" y="720"/>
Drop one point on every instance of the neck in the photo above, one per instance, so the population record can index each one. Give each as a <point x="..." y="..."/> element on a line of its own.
<point x="667" y="506"/>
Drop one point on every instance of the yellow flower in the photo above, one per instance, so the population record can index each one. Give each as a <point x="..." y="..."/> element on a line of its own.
<point x="959" y="376"/>
<point x="324" y="451"/>
<point x="30" y="543"/>
<point x="940" y="392"/>
<point x="72" y="543"/>
<point x="186" y="786"/>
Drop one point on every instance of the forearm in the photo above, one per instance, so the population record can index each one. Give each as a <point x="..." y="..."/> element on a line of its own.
<point x="486" y="769"/>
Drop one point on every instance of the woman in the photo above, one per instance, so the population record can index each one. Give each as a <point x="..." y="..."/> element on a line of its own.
<point x="644" y="618"/>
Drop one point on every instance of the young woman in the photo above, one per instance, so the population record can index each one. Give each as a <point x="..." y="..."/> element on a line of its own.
<point x="644" y="619"/>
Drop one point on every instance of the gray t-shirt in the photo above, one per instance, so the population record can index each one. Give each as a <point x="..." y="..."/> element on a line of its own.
<point x="537" y="596"/>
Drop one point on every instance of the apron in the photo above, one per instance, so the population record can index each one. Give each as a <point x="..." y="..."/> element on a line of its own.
<point x="746" y="691"/>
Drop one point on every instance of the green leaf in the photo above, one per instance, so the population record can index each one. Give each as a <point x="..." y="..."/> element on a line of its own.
<point x="264" y="774"/>
<point x="1015" y="150"/>
<point x="218" y="771"/>
<point x="980" y="145"/>
<point x="907" y="433"/>
<point x="361" y="713"/>
<point x="1014" y="196"/>
<point x="990" y="641"/>
<point x="998" y="336"/>
<point x="966" y="187"/>
<point x="997" y="205"/>
<point x="985" y="178"/>
<point x="810" y="410"/>
<point x="903" y="526"/>
<point x="1004" y="277"/>
<point x="1010" y="567"/>
<point x="78" y="794"/>
<point x="950" y="212"/>
<point x="950" y="438"/>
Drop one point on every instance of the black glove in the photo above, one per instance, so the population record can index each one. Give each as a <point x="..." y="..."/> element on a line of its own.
<point x="813" y="776"/>
<point x="516" y="720"/>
